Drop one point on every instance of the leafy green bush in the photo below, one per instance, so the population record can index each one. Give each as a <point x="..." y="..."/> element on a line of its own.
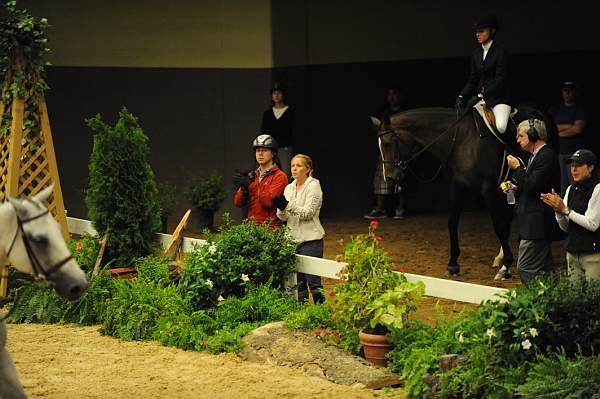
<point x="233" y="258"/>
<point x="121" y="197"/>
<point x="38" y="303"/>
<point x="310" y="316"/>
<point x="137" y="305"/>
<point x="165" y="197"/>
<point x="205" y="192"/>
<point x="153" y="269"/>
<point x="557" y="376"/>
<point x="85" y="251"/>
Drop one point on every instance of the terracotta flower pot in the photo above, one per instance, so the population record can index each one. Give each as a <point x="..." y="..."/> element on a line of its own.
<point x="376" y="346"/>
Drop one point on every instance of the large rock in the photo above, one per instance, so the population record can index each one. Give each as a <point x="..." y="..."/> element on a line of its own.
<point x="274" y="344"/>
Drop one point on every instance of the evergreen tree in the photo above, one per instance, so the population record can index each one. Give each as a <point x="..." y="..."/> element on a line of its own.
<point x="121" y="197"/>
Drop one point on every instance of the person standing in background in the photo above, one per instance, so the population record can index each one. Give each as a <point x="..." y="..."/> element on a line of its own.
<point x="570" y="119"/>
<point x="384" y="188"/>
<point x="300" y="206"/>
<point x="278" y="121"/>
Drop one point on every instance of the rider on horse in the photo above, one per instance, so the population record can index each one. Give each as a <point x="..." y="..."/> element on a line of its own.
<point x="488" y="79"/>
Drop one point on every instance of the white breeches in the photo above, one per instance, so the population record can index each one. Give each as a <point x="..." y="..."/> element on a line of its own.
<point x="501" y="113"/>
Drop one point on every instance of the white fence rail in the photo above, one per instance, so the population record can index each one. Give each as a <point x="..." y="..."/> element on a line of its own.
<point x="435" y="287"/>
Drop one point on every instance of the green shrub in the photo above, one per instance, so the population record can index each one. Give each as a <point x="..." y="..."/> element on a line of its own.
<point x="137" y="305"/>
<point x="38" y="303"/>
<point x="153" y="269"/>
<point x="557" y="376"/>
<point x="205" y="193"/>
<point x="232" y="259"/>
<point x="310" y="316"/>
<point x="121" y="197"/>
<point x="187" y="331"/>
<point x="85" y="251"/>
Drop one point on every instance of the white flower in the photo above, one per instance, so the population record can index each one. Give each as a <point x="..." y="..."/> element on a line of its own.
<point x="526" y="344"/>
<point x="461" y="337"/>
<point x="245" y="277"/>
<point x="220" y="298"/>
<point x="23" y="142"/>
<point x="490" y="332"/>
<point x="533" y="332"/>
<point x="212" y="249"/>
<point x="209" y="283"/>
<point x="513" y="294"/>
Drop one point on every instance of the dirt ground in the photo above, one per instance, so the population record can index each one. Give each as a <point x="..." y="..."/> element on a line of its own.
<point x="419" y="244"/>
<point x="66" y="362"/>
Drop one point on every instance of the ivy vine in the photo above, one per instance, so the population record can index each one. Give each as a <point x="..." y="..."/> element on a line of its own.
<point x="23" y="47"/>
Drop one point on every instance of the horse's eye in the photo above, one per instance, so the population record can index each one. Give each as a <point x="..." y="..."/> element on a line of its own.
<point x="39" y="239"/>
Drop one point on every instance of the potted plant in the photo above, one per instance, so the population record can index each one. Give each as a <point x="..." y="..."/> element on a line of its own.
<point x="206" y="195"/>
<point x="373" y="298"/>
<point x="166" y="201"/>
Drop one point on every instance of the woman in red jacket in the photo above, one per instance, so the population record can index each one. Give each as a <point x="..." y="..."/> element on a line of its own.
<point x="258" y="188"/>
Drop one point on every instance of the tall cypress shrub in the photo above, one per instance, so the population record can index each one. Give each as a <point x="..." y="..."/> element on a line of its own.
<point x="121" y="197"/>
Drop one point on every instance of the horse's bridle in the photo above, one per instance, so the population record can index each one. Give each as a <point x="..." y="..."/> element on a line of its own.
<point x="403" y="164"/>
<point x="38" y="272"/>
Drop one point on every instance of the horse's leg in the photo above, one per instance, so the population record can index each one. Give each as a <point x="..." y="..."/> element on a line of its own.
<point x="501" y="214"/>
<point x="456" y="207"/>
<point x="499" y="259"/>
<point x="10" y="387"/>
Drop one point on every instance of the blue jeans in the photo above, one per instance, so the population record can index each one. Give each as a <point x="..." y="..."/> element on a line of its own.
<point x="310" y="248"/>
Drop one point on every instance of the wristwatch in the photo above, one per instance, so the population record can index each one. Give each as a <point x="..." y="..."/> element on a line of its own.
<point x="566" y="210"/>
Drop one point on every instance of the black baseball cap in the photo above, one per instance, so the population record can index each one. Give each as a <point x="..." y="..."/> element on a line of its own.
<point x="583" y="157"/>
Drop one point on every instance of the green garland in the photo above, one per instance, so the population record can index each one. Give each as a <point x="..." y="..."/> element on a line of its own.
<point x="23" y="39"/>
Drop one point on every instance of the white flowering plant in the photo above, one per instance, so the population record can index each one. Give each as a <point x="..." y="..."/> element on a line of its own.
<point x="234" y="258"/>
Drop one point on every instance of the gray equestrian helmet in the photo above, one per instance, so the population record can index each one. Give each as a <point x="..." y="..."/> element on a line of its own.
<point x="265" y="141"/>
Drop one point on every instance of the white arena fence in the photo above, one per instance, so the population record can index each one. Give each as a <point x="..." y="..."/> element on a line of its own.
<point x="434" y="287"/>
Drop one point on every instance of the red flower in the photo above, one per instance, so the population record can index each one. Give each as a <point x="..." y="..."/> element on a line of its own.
<point x="332" y="293"/>
<point x="79" y="246"/>
<point x="374" y="224"/>
<point x="378" y="238"/>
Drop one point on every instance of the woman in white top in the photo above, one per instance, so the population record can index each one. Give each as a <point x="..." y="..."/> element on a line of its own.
<point x="300" y="205"/>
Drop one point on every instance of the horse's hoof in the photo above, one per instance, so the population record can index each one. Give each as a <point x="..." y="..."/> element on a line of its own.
<point x="452" y="271"/>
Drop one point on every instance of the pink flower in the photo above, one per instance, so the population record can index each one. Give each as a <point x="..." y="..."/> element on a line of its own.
<point x="374" y="224"/>
<point x="79" y="246"/>
<point x="378" y="238"/>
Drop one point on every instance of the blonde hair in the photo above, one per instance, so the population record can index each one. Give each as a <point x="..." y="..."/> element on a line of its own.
<point x="307" y="161"/>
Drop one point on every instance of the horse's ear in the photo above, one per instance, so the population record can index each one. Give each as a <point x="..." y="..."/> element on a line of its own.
<point x="18" y="205"/>
<point x="44" y="194"/>
<point x="376" y="122"/>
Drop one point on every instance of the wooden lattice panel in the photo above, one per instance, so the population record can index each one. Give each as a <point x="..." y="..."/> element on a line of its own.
<point x="28" y="162"/>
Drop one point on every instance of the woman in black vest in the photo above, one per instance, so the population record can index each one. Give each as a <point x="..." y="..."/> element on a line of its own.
<point x="488" y="79"/>
<point x="580" y="218"/>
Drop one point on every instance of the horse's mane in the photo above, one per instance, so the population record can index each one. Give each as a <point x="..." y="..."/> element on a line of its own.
<point x="428" y="110"/>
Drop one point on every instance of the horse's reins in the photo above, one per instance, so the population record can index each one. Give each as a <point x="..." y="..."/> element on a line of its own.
<point x="403" y="164"/>
<point x="39" y="273"/>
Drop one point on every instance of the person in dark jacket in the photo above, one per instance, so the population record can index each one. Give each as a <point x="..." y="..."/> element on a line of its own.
<point x="579" y="215"/>
<point x="278" y="121"/>
<point x="537" y="226"/>
<point x="488" y="79"/>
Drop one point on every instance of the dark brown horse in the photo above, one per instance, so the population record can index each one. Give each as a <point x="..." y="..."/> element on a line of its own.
<point x="473" y="157"/>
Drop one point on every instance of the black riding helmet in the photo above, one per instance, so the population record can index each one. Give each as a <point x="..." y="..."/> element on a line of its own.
<point x="277" y="86"/>
<point x="487" y="22"/>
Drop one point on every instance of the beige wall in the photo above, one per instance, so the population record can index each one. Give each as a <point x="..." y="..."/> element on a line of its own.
<point x="267" y="33"/>
<point x="158" y="33"/>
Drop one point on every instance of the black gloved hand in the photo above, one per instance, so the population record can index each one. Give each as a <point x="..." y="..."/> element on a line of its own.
<point x="472" y="101"/>
<point x="241" y="179"/>
<point x="460" y="103"/>
<point x="280" y="202"/>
